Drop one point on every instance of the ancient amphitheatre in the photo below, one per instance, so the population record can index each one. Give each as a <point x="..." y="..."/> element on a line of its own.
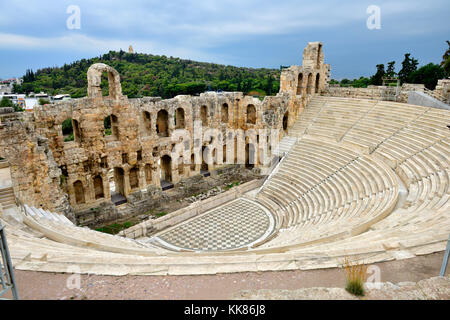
<point x="341" y="173"/>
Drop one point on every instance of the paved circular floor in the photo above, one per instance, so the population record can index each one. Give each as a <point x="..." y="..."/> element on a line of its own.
<point x="233" y="225"/>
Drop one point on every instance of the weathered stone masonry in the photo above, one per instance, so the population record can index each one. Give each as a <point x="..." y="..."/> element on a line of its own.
<point x="151" y="139"/>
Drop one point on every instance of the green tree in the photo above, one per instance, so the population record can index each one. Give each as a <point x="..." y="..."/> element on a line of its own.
<point x="377" y="78"/>
<point x="5" y="103"/>
<point x="445" y="64"/>
<point x="390" y="72"/>
<point x="409" y="65"/>
<point x="428" y="75"/>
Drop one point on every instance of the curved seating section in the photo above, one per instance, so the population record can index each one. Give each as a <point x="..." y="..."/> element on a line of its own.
<point x="335" y="195"/>
<point x="324" y="189"/>
<point x="59" y="229"/>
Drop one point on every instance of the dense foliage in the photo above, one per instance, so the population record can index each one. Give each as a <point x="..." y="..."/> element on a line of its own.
<point x="151" y="75"/>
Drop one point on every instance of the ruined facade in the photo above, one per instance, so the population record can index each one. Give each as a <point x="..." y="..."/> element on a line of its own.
<point x="122" y="146"/>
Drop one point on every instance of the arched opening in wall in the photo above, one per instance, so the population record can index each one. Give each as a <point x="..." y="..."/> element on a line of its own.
<point x="67" y="130"/>
<point x="250" y="156"/>
<point x="107" y="126"/>
<point x="192" y="162"/>
<point x="285" y="121"/>
<point x="179" y="118"/>
<point x="166" y="168"/>
<point x="300" y="84"/>
<point x="204" y="115"/>
<point x="134" y="178"/>
<point x="310" y="84"/>
<point x="114" y="126"/>
<point x="76" y="131"/>
<point x="148" y="173"/>
<point x="251" y="114"/>
<point x="205" y="151"/>
<point x="224" y="153"/>
<point x="147" y="122"/>
<point x="319" y="53"/>
<point x="236" y="150"/>
<point x="224" y="113"/>
<point x="317" y="83"/>
<point x="119" y="176"/>
<point x="79" y="192"/>
<point x="98" y="188"/>
<point x="162" y="123"/>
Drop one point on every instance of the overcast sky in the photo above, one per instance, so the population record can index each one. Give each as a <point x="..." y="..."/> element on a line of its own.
<point x="263" y="33"/>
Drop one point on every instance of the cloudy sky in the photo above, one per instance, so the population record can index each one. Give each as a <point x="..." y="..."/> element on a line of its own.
<point x="263" y="33"/>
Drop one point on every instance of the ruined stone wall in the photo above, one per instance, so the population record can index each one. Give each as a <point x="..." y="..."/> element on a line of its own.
<point x="149" y="139"/>
<point x="374" y="92"/>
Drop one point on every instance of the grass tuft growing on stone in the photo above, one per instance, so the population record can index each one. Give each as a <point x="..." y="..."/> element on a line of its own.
<point x="356" y="275"/>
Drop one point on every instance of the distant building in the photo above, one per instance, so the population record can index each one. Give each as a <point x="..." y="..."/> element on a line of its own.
<point x="130" y="49"/>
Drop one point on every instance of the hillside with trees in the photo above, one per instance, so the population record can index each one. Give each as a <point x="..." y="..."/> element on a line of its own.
<point x="152" y="75"/>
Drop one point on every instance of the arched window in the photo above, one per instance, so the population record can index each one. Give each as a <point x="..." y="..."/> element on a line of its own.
<point x="300" y="84"/>
<point x="179" y="118"/>
<point x="310" y="84"/>
<point x="204" y="115"/>
<point x="67" y="130"/>
<point x="119" y="180"/>
<point x="79" y="192"/>
<point x="285" y="121"/>
<point x="162" y="123"/>
<point x="98" y="187"/>
<point x="251" y="114"/>
<point x="166" y="168"/>
<point x="192" y="162"/>
<point x="147" y="122"/>
<point x="250" y="155"/>
<point x="111" y="127"/>
<point x="134" y="178"/>
<point x="224" y="113"/>
<point x="317" y="82"/>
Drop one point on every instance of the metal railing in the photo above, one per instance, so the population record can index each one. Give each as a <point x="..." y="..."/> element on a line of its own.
<point x="7" y="279"/>
<point x="445" y="261"/>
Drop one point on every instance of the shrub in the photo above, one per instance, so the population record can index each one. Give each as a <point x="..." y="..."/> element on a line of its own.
<point x="355" y="277"/>
<point x="70" y="137"/>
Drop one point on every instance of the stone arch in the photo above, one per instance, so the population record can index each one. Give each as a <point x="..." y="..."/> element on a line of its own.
<point x="119" y="180"/>
<point x="147" y="122"/>
<point x="94" y="75"/>
<point x="79" y="192"/>
<point x="162" y="123"/>
<point x="179" y="118"/>
<point x="309" y="86"/>
<point x="67" y="130"/>
<point x="285" y="121"/>
<point x="205" y="158"/>
<point x="317" y="83"/>
<point x="134" y="178"/>
<point x="224" y="113"/>
<point x="300" y="83"/>
<point x="192" y="162"/>
<point x="204" y="115"/>
<point x="250" y="155"/>
<point x="111" y="126"/>
<point x="166" y="168"/>
<point x="98" y="187"/>
<point x="251" y="114"/>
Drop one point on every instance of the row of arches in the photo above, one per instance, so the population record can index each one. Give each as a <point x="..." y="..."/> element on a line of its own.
<point x="309" y="84"/>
